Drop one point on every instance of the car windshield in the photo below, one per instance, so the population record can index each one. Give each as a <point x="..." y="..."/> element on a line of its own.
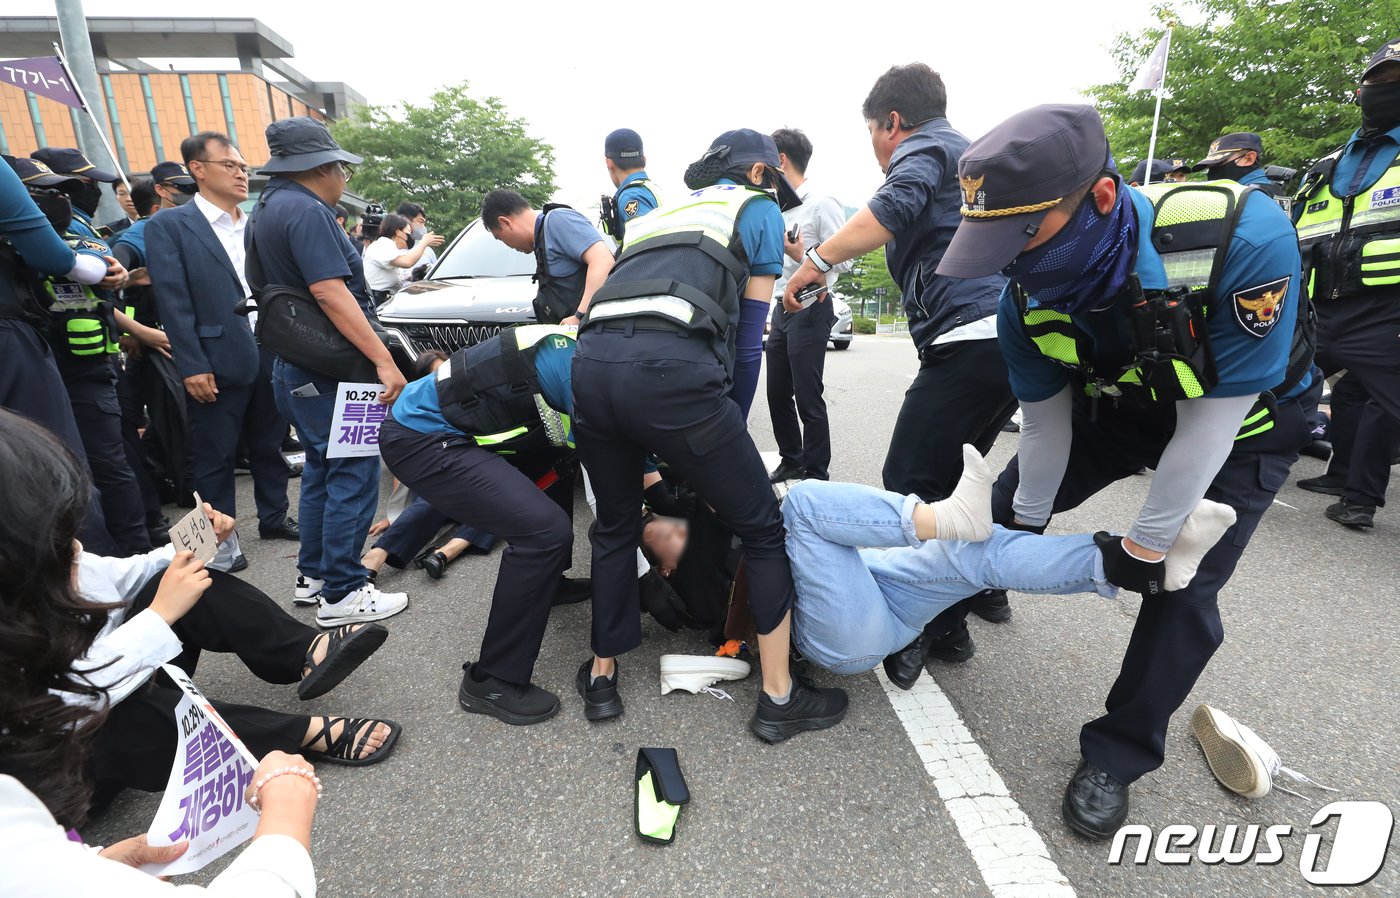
<point x="479" y="255"/>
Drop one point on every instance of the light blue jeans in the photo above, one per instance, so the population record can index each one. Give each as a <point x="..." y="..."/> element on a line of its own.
<point x="857" y="605"/>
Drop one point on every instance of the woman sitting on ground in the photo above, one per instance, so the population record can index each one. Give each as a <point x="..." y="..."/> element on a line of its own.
<point x="46" y="628"/>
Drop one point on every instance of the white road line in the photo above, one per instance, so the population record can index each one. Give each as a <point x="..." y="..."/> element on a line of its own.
<point x="1010" y="854"/>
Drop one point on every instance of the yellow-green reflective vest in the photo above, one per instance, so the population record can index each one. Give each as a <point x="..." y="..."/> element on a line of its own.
<point x="1351" y="244"/>
<point x="491" y="392"/>
<point x="1197" y="221"/>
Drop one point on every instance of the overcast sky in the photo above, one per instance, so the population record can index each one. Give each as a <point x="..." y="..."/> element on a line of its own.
<point x="574" y="71"/>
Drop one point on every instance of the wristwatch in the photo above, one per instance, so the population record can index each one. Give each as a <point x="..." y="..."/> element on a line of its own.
<point x="821" y="264"/>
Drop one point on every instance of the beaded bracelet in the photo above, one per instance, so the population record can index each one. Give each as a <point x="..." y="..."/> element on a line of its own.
<point x="281" y="771"/>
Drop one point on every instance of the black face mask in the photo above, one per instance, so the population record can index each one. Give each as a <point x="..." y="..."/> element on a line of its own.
<point x="1229" y="171"/>
<point x="57" y="208"/>
<point x="86" y="197"/>
<point x="1380" y="107"/>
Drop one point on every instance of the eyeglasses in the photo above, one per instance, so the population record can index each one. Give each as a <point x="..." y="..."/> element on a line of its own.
<point x="349" y="171"/>
<point x="229" y="165"/>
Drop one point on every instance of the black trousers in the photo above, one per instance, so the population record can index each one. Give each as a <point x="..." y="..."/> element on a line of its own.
<point x="469" y="483"/>
<point x="1176" y="633"/>
<point x="411" y="531"/>
<point x="1365" y="440"/>
<point x="249" y="414"/>
<point x="30" y="385"/>
<point x="136" y="745"/>
<point x="653" y="391"/>
<point x="133" y="406"/>
<point x="1362" y="335"/>
<point x="93" y="394"/>
<point x="960" y="395"/>
<point x="796" y="360"/>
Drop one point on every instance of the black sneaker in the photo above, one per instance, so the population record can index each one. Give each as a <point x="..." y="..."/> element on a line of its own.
<point x="955" y="647"/>
<point x="508" y="702"/>
<point x="435" y="565"/>
<point x="1351" y="514"/>
<point x="572" y="590"/>
<point x="1327" y="485"/>
<point x="808" y="708"/>
<point x="991" y="605"/>
<point x="600" y="699"/>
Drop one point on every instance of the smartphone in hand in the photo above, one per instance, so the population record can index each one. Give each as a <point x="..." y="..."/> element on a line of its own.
<point x="811" y="293"/>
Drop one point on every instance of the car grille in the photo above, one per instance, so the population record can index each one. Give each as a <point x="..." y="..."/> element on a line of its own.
<point x="448" y="337"/>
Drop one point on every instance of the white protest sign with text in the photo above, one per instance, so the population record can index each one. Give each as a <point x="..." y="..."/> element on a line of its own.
<point x="203" y="801"/>
<point x="355" y="421"/>
<point x="195" y="533"/>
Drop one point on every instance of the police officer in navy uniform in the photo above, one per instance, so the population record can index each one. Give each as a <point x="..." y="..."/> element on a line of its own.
<point x="1106" y="360"/>
<point x="634" y="195"/>
<point x="473" y="439"/>
<point x="652" y="375"/>
<point x="1348" y="217"/>
<point x="1238" y="157"/>
<point x="1163" y="170"/>
<point x="84" y="332"/>
<point x="30" y="251"/>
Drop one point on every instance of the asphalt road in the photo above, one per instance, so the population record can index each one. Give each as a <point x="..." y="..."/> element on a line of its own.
<point x="469" y="806"/>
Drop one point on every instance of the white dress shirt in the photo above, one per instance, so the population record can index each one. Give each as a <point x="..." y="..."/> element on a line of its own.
<point x="39" y="861"/>
<point x="229" y="230"/>
<point x="817" y="219"/>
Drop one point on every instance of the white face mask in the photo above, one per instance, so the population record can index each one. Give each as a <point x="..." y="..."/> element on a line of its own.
<point x="418" y="232"/>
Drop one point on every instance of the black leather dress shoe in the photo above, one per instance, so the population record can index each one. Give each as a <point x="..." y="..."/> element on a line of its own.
<point x="289" y="531"/>
<point x="788" y="470"/>
<point x="954" y="647"/>
<point x="1327" y="485"/>
<point x="904" y="666"/>
<point x="1318" y="449"/>
<point x="991" y="605"/>
<point x="1095" y="803"/>
<point x="435" y="565"/>
<point x="1357" y="517"/>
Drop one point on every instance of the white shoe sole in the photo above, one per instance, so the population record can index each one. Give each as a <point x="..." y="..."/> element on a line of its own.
<point x="1233" y="762"/>
<point x="330" y="623"/>
<point x="307" y="601"/>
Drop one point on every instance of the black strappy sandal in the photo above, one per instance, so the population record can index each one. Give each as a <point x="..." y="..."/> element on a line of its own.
<point x="348" y="648"/>
<point x="345" y="749"/>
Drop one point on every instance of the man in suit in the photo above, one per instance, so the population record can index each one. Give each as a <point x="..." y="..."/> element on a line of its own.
<point x="195" y="255"/>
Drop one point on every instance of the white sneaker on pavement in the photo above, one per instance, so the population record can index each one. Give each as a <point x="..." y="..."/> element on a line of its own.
<point x="698" y="673"/>
<point x="308" y="591"/>
<point x="361" y="606"/>
<point x="1242" y="761"/>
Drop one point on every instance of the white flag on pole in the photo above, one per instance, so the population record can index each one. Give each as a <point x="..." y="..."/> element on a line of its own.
<point x="1153" y="73"/>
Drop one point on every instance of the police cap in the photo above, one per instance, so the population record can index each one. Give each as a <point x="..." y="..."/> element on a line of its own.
<point x="69" y="161"/>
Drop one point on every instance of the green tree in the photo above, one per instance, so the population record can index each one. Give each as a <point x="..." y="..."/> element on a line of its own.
<point x="446" y="155"/>
<point x="859" y="289"/>
<point x="1285" y="69"/>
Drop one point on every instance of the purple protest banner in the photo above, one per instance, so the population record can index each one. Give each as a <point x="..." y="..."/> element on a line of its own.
<point x="43" y="75"/>
<point x="355" y="421"/>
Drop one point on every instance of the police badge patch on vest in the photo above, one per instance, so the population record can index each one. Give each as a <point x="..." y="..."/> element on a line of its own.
<point x="1257" y="308"/>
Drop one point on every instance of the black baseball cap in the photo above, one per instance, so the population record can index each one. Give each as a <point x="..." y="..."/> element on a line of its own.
<point x="70" y="161"/>
<point x="1221" y="149"/>
<point x="1389" y="52"/>
<point x="744" y="147"/>
<point x="36" y="174"/>
<point x="1014" y="175"/>
<point x="623" y="145"/>
<point x="172" y="173"/>
<point x="302" y="143"/>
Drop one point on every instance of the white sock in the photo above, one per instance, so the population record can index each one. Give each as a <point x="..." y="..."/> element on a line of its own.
<point x="967" y="514"/>
<point x="1201" y="531"/>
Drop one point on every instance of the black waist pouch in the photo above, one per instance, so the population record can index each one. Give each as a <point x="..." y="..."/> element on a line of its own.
<point x="293" y="327"/>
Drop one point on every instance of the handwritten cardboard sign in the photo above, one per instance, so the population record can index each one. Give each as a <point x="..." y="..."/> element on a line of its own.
<point x="203" y="801"/>
<point x="195" y="533"/>
<point x="355" y="421"/>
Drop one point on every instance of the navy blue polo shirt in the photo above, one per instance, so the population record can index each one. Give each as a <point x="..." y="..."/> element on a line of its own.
<point x="634" y="199"/>
<point x="1263" y="257"/>
<point x="299" y="242"/>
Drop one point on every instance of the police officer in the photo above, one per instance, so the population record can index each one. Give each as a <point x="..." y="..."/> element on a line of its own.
<point x="1172" y="171"/>
<point x="634" y="195"/>
<point x="1348" y="217"/>
<point x="571" y="260"/>
<point x="31" y="250"/>
<point x="1107" y="365"/>
<point x="651" y="375"/>
<point x="1238" y="157"/>
<point x="472" y="439"/>
<point x="84" y="331"/>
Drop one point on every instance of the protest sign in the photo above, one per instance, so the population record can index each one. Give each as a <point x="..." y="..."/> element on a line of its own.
<point x="195" y="533"/>
<point x="203" y="801"/>
<point x="355" y="421"/>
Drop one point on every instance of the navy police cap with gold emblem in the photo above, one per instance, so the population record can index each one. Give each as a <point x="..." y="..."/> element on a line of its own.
<point x="1389" y="52"/>
<point x="1014" y="175"/>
